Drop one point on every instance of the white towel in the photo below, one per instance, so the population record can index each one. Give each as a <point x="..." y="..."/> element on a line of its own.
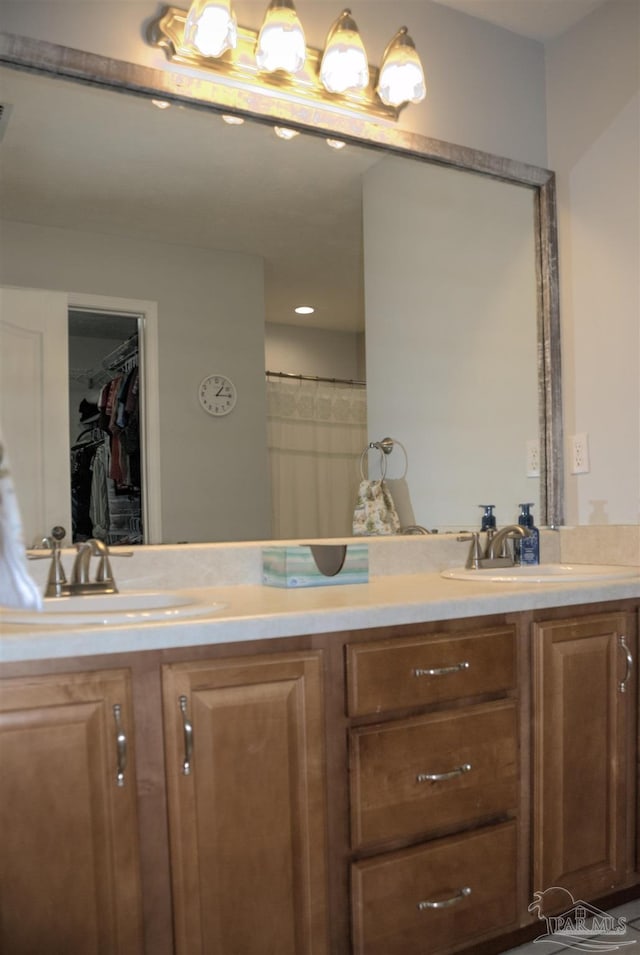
<point x="17" y="589"/>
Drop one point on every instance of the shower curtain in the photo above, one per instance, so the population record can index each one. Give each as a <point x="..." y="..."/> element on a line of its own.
<point x="316" y="432"/>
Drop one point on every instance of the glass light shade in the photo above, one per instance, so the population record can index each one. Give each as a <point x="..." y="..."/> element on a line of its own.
<point x="281" y="42"/>
<point x="401" y="77"/>
<point x="344" y="62"/>
<point x="211" y="27"/>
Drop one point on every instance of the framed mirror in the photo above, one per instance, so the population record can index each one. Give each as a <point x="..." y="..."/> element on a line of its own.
<point x="215" y="484"/>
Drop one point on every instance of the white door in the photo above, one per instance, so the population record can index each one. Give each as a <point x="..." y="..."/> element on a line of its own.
<point x="34" y="405"/>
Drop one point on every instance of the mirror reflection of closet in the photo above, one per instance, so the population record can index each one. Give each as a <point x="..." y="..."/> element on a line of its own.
<point x="104" y="417"/>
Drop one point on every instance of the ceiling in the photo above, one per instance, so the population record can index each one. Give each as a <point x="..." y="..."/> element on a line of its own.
<point x="537" y="19"/>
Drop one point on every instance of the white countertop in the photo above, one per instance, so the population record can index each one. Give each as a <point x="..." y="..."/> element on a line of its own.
<point x="257" y="612"/>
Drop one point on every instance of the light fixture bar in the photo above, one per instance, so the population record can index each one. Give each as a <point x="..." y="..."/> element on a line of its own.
<point x="238" y="67"/>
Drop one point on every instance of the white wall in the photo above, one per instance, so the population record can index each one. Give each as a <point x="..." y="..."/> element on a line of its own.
<point x="213" y="470"/>
<point x="593" y="85"/>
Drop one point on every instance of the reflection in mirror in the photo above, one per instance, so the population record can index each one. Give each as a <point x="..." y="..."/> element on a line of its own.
<point x="104" y="194"/>
<point x="104" y="419"/>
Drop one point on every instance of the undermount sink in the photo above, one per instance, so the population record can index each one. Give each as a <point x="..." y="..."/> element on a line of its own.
<point x="545" y="573"/>
<point x="135" y="607"/>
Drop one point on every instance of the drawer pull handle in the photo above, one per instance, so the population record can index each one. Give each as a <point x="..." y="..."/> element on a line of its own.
<point x="446" y="903"/>
<point x="442" y="671"/>
<point x="121" y="745"/>
<point x="627" y="652"/>
<point x="440" y="777"/>
<point x="187" y="730"/>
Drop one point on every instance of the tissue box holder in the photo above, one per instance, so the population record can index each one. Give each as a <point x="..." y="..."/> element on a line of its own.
<point x="315" y="565"/>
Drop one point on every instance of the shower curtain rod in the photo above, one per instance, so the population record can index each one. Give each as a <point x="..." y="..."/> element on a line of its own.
<point x="332" y="381"/>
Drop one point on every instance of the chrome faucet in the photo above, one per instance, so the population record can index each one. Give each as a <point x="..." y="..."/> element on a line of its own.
<point x="495" y="552"/>
<point x="104" y="582"/>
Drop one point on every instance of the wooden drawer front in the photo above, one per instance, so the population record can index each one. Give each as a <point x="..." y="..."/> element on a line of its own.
<point x="393" y="674"/>
<point x="418" y="901"/>
<point x="390" y="794"/>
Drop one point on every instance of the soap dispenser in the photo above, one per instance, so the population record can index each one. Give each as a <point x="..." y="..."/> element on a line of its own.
<point x="488" y="519"/>
<point x="529" y="547"/>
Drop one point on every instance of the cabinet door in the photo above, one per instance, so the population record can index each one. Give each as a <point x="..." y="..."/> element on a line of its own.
<point x="245" y="765"/>
<point x="69" y="873"/>
<point x="584" y="754"/>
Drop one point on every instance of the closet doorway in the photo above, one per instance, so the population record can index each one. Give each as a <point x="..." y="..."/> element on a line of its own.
<point x="106" y="426"/>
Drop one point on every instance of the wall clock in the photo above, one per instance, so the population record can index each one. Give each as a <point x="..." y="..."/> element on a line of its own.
<point x="217" y="394"/>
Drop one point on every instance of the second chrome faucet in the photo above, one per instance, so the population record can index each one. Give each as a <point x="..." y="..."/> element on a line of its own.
<point x="496" y="552"/>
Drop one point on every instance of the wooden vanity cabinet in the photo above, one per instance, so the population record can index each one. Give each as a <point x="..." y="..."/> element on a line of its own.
<point x="69" y="864"/>
<point x="435" y="791"/>
<point x="247" y="818"/>
<point x="585" y="751"/>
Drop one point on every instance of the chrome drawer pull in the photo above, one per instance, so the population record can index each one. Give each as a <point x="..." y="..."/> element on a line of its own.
<point x="187" y="729"/>
<point x="442" y="671"/>
<point x="439" y="777"/>
<point x="121" y="745"/>
<point x="627" y="652"/>
<point x="458" y="897"/>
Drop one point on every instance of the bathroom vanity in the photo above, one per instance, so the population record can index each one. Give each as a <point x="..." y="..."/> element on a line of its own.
<point x="393" y="767"/>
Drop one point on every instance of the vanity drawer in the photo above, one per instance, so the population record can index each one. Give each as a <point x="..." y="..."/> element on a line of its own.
<point x="392" y="674"/>
<point x="436" y="897"/>
<point x="472" y="752"/>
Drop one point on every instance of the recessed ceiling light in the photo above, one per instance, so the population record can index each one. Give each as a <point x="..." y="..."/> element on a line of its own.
<point x="304" y="310"/>
<point x="336" y="143"/>
<point x="232" y="120"/>
<point x="161" y="103"/>
<point x="285" y="133"/>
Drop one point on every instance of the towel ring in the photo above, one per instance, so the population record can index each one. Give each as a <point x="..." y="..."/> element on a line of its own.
<point x="383" y="460"/>
<point x="393" y="442"/>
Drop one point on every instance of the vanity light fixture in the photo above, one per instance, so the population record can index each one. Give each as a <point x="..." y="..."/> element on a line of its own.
<point x="277" y="61"/>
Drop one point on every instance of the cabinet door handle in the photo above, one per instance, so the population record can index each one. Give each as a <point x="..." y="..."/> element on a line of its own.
<point x="439" y="777"/>
<point x="461" y="894"/>
<point x="627" y="652"/>
<point x="121" y="745"/>
<point x="442" y="671"/>
<point x="187" y="729"/>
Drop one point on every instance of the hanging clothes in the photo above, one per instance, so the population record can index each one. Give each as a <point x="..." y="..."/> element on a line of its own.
<point x="106" y="471"/>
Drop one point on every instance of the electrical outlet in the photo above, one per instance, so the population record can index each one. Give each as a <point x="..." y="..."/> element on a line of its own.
<point x="580" y="454"/>
<point x="533" y="458"/>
